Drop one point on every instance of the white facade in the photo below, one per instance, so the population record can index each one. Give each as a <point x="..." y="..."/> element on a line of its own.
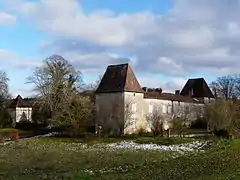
<point x="129" y="110"/>
<point x="20" y="111"/>
<point x="17" y="114"/>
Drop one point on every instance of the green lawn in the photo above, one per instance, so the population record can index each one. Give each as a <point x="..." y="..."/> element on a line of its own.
<point x="52" y="158"/>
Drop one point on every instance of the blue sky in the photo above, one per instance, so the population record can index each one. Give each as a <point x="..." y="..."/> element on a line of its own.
<point x="170" y="40"/>
<point x="128" y="6"/>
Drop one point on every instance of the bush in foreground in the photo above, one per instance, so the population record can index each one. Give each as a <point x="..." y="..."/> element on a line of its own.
<point x="222" y="118"/>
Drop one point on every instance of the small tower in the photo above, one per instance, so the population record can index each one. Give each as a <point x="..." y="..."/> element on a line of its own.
<point x="118" y="92"/>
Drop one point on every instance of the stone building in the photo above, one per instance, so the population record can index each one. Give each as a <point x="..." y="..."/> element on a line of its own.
<point x="123" y="105"/>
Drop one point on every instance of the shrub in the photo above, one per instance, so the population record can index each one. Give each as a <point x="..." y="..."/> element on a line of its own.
<point x="5" y="118"/>
<point x="222" y="118"/>
<point x="179" y="125"/>
<point x="10" y="133"/>
<point x="155" y="119"/>
<point x="200" y="123"/>
<point x="78" y="115"/>
<point x="157" y="128"/>
<point x="221" y="133"/>
<point x="14" y="136"/>
<point x="1" y="140"/>
<point x="91" y="129"/>
<point x="141" y="131"/>
<point x="28" y="126"/>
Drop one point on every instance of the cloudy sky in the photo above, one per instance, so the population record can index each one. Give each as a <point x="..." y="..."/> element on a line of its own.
<point x="165" y="41"/>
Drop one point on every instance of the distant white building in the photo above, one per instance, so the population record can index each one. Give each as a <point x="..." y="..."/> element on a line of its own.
<point x="20" y="110"/>
<point x="120" y="97"/>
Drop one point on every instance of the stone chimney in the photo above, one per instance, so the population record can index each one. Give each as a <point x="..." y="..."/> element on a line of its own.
<point x="177" y="92"/>
<point x="145" y="89"/>
<point x="158" y="90"/>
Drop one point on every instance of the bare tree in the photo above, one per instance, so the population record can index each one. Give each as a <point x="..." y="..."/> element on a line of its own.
<point x="179" y="125"/>
<point x="54" y="81"/>
<point x="222" y="115"/>
<point x="226" y="86"/>
<point x="183" y="118"/>
<point x="4" y="91"/>
<point x="237" y="87"/>
<point x="5" y="118"/>
<point x="156" y="120"/>
<point x="95" y="84"/>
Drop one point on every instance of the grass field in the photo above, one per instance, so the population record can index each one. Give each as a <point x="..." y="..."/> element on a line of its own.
<point x="55" y="158"/>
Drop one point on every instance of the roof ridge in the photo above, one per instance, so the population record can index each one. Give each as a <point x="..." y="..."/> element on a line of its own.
<point x="126" y="76"/>
<point x="110" y="65"/>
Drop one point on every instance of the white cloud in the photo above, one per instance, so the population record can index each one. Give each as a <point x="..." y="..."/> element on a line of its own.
<point x="167" y="86"/>
<point x="7" y="19"/>
<point x="194" y="37"/>
<point x="5" y="54"/>
<point x="175" y="84"/>
<point x="26" y="92"/>
<point x="9" y="58"/>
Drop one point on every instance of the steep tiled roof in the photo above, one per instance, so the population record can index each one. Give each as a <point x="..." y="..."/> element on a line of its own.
<point x="198" y="87"/>
<point x="171" y="97"/>
<point x="119" y="78"/>
<point x="18" y="102"/>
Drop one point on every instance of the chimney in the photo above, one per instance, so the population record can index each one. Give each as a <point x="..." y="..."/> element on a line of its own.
<point x="158" y="90"/>
<point x="177" y="92"/>
<point x="145" y="89"/>
<point x="150" y="89"/>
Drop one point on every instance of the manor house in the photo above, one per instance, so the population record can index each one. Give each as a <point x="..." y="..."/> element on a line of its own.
<point x="122" y="104"/>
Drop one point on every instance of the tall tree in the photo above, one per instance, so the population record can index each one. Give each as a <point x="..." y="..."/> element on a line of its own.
<point x="4" y="94"/>
<point x="4" y="91"/>
<point x="54" y="81"/>
<point x="226" y="87"/>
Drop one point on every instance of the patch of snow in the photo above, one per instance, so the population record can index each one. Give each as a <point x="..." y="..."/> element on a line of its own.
<point x="52" y="134"/>
<point x="181" y="148"/>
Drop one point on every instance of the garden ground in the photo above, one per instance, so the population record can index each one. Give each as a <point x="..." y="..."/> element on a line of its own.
<point x="57" y="158"/>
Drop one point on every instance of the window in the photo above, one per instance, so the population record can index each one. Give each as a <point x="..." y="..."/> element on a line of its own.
<point x="164" y="109"/>
<point x="134" y="107"/>
<point x="169" y="109"/>
<point x="150" y="109"/>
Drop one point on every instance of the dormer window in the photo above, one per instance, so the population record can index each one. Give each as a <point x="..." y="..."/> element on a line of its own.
<point x="191" y="92"/>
